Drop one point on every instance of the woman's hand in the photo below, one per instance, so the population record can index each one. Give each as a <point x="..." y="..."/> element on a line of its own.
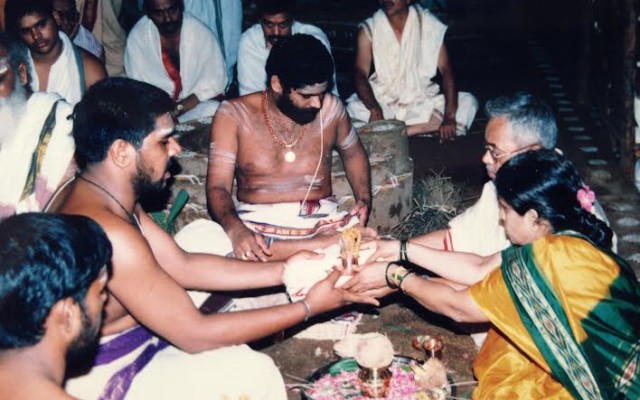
<point x="385" y="250"/>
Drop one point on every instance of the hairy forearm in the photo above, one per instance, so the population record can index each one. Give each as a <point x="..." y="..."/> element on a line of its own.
<point x="450" y="94"/>
<point x="222" y="209"/>
<point x="464" y="268"/>
<point x="365" y="92"/>
<point x="357" y="169"/>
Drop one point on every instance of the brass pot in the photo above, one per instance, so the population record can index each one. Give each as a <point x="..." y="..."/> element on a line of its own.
<point x="375" y="382"/>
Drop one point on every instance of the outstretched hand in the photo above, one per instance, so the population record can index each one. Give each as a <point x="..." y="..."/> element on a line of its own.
<point x="324" y="296"/>
<point x="385" y="250"/>
<point x="369" y="277"/>
<point x="248" y="245"/>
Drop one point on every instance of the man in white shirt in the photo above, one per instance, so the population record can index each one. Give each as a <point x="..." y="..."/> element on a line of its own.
<point x="276" y="20"/>
<point x="177" y="53"/>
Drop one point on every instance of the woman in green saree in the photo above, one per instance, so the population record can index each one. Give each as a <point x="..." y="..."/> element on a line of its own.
<point x="565" y="312"/>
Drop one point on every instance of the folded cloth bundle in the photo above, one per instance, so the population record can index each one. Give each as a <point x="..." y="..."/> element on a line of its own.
<point x="300" y="276"/>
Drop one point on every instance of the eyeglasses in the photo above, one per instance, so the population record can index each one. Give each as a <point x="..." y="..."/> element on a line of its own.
<point x="498" y="154"/>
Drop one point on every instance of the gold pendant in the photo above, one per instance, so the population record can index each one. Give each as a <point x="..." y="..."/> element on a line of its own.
<point x="290" y="156"/>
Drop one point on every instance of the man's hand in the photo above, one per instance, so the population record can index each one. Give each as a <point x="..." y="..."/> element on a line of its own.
<point x="447" y="129"/>
<point x="385" y="250"/>
<point x="248" y="245"/>
<point x="361" y="209"/>
<point x="324" y="296"/>
<point x="376" y="114"/>
<point x="369" y="277"/>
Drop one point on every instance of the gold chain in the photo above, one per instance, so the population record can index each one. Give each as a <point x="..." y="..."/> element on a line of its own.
<point x="273" y="133"/>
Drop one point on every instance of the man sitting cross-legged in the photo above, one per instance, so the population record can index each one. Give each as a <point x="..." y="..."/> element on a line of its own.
<point x="400" y="50"/>
<point x="279" y="145"/>
<point x="123" y="133"/>
<point x="53" y="273"/>
<point x="174" y="51"/>
<point x="36" y="147"/>
<point x="58" y="66"/>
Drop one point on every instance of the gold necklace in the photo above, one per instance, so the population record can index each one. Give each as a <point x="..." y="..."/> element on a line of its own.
<point x="289" y="155"/>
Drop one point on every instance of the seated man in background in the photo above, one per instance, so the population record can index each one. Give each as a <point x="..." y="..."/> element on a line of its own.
<point x="517" y="123"/>
<point x="36" y="146"/>
<point x="58" y="66"/>
<point x="179" y="54"/>
<point x="53" y="273"/>
<point x="68" y="19"/>
<point x="403" y="44"/>
<point x="278" y="144"/>
<point x="224" y="18"/>
<point x="157" y="344"/>
<point x="276" y="20"/>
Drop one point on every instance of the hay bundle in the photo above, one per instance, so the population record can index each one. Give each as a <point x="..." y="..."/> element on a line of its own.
<point x="436" y="200"/>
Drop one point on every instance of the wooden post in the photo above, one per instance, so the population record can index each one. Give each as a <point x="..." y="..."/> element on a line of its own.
<point x="627" y="145"/>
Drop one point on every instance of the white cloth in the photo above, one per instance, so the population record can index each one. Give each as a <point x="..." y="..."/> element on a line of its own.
<point x="16" y="155"/>
<point x="402" y="81"/>
<point x="300" y="276"/>
<point x="202" y="66"/>
<point x="230" y="21"/>
<point x="233" y="372"/>
<point x="253" y="54"/>
<point x="85" y="39"/>
<point x="478" y="230"/>
<point x="64" y="76"/>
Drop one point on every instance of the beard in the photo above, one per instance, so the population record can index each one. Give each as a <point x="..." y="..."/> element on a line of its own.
<point x="300" y="116"/>
<point x="85" y="346"/>
<point x="12" y="109"/>
<point x="153" y="195"/>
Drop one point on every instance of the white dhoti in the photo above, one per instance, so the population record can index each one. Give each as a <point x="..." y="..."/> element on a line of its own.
<point x="403" y="79"/>
<point x="466" y="112"/>
<point x="138" y="365"/>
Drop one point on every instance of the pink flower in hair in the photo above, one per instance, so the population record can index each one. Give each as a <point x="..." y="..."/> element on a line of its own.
<point x="586" y="198"/>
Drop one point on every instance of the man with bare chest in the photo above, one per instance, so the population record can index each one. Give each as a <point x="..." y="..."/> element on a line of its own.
<point x="278" y="144"/>
<point x="174" y="51"/>
<point x="58" y="66"/>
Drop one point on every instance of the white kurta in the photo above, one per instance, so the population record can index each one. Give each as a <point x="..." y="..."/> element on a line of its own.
<point x="230" y="21"/>
<point x="253" y="54"/>
<point x="202" y="67"/>
<point x="64" y="75"/>
<point x="403" y="79"/>
<point x="16" y="155"/>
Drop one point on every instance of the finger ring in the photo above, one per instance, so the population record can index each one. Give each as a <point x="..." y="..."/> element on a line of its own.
<point x="243" y="257"/>
<point x="247" y="253"/>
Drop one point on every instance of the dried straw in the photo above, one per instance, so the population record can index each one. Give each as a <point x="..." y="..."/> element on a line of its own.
<point x="436" y="200"/>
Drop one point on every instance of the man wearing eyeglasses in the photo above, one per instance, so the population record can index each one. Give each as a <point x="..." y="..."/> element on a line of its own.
<point x="275" y="21"/>
<point x="516" y="124"/>
<point x="67" y="17"/>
